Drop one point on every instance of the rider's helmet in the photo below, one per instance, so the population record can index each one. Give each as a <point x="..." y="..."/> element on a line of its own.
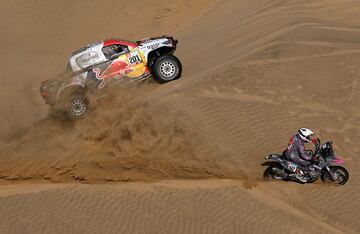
<point x="305" y="134"/>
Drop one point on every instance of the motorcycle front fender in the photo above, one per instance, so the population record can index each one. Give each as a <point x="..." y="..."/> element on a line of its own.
<point x="338" y="160"/>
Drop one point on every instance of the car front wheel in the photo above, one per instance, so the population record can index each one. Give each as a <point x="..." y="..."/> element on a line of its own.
<point x="167" y="68"/>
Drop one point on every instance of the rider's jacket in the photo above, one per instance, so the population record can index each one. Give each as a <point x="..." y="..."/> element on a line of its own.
<point x="296" y="148"/>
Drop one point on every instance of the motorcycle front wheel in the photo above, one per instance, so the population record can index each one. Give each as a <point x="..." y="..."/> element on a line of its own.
<point x="341" y="174"/>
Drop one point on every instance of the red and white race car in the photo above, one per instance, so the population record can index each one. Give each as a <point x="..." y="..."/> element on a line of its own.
<point x="93" y="66"/>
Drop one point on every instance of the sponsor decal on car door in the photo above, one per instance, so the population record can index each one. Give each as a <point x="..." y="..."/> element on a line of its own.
<point x="128" y="65"/>
<point x="135" y="59"/>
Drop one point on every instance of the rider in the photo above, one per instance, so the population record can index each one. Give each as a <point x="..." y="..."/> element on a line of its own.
<point x="296" y="151"/>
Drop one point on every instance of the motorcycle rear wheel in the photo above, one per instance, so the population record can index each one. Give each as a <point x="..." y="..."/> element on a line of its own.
<point x="269" y="174"/>
<point x="341" y="173"/>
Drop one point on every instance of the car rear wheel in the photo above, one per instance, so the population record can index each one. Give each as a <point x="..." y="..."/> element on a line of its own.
<point x="77" y="107"/>
<point x="74" y="103"/>
<point x="167" y="68"/>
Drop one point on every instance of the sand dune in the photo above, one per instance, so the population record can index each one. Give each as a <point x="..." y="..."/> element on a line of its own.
<point x="183" y="207"/>
<point x="37" y="38"/>
<point x="254" y="72"/>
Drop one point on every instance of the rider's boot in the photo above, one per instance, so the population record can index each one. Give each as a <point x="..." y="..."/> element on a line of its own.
<point x="299" y="174"/>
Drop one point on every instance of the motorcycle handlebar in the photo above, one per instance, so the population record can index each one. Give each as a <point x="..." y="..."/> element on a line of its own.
<point x="316" y="141"/>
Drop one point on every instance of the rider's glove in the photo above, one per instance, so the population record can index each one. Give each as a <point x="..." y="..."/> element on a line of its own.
<point x="316" y="141"/>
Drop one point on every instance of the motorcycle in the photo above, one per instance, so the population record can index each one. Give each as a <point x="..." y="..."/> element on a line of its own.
<point x="281" y="168"/>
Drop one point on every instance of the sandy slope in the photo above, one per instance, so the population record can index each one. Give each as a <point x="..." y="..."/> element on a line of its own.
<point x="38" y="36"/>
<point x="212" y="206"/>
<point x="254" y="72"/>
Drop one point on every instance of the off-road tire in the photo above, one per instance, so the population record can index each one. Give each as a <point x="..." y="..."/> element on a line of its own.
<point x="78" y="107"/>
<point x="269" y="174"/>
<point x="74" y="104"/>
<point x="326" y="178"/>
<point x="166" y="68"/>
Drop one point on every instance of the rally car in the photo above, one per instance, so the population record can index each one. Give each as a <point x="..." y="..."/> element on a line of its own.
<point x="95" y="65"/>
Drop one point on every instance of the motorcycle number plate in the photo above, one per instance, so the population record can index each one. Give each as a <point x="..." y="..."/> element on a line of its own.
<point x="292" y="166"/>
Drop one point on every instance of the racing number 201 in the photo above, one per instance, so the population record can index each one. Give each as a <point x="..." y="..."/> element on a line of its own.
<point x="134" y="59"/>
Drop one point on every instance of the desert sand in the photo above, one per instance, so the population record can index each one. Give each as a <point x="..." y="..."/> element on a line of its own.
<point x="182" y="157"/>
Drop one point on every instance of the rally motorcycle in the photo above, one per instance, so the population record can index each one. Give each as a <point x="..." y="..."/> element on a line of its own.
<point x="281" y="168"/>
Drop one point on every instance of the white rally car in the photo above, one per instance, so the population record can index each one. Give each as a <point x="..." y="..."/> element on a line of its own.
<point x="93" y="66"/>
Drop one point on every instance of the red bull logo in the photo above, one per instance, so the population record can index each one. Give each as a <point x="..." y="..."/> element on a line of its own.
<point x="117" y="69"/>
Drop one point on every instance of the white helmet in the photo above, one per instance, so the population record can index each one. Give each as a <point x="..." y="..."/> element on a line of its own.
<point x="305" y="134"/>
